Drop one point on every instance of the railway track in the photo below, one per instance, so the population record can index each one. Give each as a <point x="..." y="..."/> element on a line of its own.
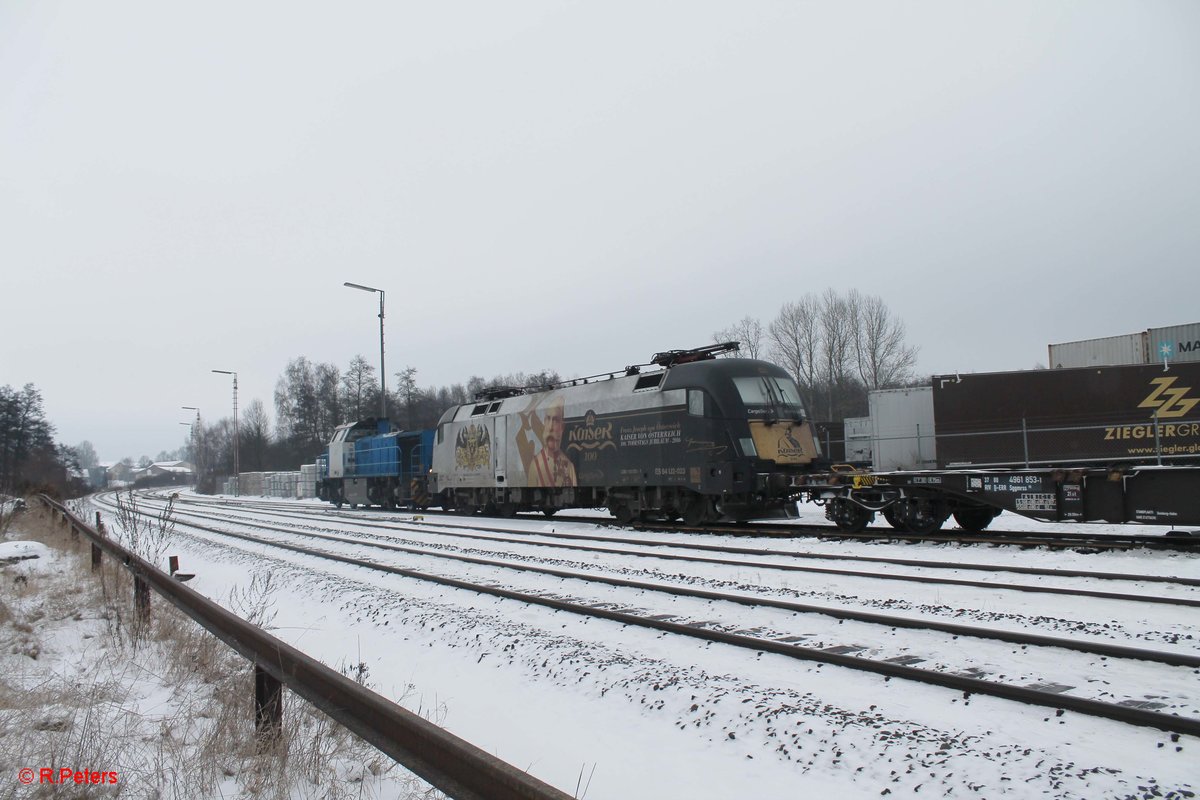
<point x="773" y="635"/>
<point x="1181" y="540"/>
<point x="577" y="541"/>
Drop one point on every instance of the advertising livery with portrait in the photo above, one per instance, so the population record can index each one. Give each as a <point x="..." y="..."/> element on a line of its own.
<point x="692" y="437"/>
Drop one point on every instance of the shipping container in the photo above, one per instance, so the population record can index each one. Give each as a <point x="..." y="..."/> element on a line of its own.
<point x="902" y="429"/>
<point x="1175" y="343"/>
<point x="1069" y="416"/>
<point x="1111" y="350"/>
<point x="858" y="440"/>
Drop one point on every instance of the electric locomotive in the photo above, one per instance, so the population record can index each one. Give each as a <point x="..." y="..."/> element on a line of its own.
<point x="686" y="436"/>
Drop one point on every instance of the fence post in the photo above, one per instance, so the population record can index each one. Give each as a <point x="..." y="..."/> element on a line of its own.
<point x="1025" y="440"/>
<point x="268" y="708"/>
<point x="141" y="597"/>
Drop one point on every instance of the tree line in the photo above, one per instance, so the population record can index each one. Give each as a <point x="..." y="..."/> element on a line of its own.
<point x="30" y="460"/>
<point x="838" y="347"/>
<point x="311" y="399"/>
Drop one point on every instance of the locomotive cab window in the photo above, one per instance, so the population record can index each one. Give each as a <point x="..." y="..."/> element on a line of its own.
<point x="479" y="409"/>
<point x="494" y="408"/>
<point x="697" y="404"/>
<point x="778" y="397"/>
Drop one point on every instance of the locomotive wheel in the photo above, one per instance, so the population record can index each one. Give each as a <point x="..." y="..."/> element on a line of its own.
<point x="697" y="512"/>
<point x="549" y="512"/>
<point x="622" y="512"/>
<point x="849" y="517"/>
<point x="975" y="519"/>
<point x="506" y="510"/>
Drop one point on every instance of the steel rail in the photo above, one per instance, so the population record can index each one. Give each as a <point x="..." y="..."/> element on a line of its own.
<point x="737" y="550"/>
<point x="1134" y="598"/>
<point x="456" y="767"/>
<point x="1097" y="708"/>
<point x="887" y="620"/>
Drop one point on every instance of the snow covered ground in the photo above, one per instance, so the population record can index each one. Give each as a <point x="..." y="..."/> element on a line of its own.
<point x="607" y="711"/>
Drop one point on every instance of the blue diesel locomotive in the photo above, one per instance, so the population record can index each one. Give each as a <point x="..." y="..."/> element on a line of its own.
<point x="370" y="463"/>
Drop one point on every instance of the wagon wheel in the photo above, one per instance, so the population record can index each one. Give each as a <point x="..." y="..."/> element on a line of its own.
<point x="889" y="514"/>
<point x="914" y="516"/>
<point x="975" y="519"/>
<point x="849" y="517"/>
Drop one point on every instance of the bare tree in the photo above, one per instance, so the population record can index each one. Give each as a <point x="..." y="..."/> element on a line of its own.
<point x="86" y="454"/>
<point x="838" y="347"/>
<point x="254" y="437"/>
<point x="837" y="336"/>
<point x="881" y="354"/>
<point x="359" y="389"/>
<point x="795" y="342"/>
<point x="407" y="392"/>
<point x="749" y="332"/>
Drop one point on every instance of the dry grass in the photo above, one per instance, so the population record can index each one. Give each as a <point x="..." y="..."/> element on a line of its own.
<point x="161" y="702"/>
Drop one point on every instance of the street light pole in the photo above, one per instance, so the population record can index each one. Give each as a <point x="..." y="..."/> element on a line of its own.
<point x="192" y="436"/>
<point x="382" y="369"/>
<point x="195" y="432"/>
<point x="237" y="481"/>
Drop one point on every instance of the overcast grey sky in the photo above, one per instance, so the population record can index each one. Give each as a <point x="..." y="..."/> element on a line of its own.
<point x="571" y="185"/>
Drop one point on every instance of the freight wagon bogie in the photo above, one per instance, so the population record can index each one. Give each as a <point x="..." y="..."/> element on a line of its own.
<point x="907" y="509"/>
<point x="922" y="501"/>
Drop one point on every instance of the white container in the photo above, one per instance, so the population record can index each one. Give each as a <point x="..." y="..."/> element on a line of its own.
<point x="858" y="439"/>
<point x="1130" y="348"/>
<point x="1183" y="342"/>
<point x="902" y="431"/>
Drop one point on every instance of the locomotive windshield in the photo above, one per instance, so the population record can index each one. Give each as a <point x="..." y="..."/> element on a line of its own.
<point x="770" y="396"/>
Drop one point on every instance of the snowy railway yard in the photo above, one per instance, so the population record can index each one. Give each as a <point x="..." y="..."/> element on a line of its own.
<point x="611" y="708"/>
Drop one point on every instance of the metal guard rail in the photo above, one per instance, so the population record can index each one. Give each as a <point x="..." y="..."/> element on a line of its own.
<point x="454" y="766"/>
